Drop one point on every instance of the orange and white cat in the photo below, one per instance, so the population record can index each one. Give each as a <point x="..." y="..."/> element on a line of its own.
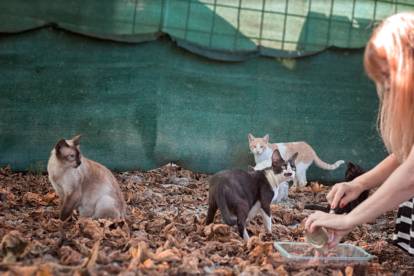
<point x="263" y="150"/>
<point x="82" y="184"/>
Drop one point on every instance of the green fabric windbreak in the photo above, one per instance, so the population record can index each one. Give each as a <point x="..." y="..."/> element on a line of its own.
<point x="229" y="30"/>
<point x="142" y="106"/>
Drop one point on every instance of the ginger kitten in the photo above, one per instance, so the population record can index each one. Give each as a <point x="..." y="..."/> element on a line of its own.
<point x="82" y="184"/>
<point x="262" y="150"/>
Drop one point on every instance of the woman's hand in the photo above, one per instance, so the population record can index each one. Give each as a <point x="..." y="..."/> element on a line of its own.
<point x="338" y="225"/>
<point x="343" y="193"/>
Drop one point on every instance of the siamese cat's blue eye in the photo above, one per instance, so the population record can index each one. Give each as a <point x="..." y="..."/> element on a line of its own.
<point x="72" y="156"/>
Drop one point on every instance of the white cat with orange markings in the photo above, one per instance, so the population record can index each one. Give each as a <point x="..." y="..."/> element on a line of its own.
<point x="263" y="150"/>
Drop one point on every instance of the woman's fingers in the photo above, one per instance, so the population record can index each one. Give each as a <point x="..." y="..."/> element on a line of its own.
<point x="338" y="196"/>
<point x="336" y="224"/>
<point x="310" y="222"/>
<point x="336" y="239"/>
<point x="331" y="194"/>
<point x="346" y="199"/>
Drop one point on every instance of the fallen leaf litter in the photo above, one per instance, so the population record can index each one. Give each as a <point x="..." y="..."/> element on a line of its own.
<point x="165" y="232"/>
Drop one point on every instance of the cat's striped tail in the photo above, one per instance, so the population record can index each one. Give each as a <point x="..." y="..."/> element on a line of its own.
<point x="326" y="166"/>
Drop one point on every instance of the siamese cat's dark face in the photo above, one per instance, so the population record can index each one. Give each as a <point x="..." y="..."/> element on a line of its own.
<point x="68" y="152"/>
<point x="282" y="168"/>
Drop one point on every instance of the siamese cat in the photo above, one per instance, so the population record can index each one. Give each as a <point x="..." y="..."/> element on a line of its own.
<point x="282" y="189"/>
<point x="82" y="184"/>
<point x="240" y="196"/>
<point x="351" y="173"/>
<point x="262" y="150"/>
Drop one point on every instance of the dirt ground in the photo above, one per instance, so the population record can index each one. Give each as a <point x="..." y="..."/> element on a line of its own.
<point x="165" y="232"/>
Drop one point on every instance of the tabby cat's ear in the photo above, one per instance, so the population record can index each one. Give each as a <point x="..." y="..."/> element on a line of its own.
<point x="276" y="158"/>
<point x="62" y="143"/>
<point x="292" y="159"/>
<point x="250" y="169"/>
<point x="75" y="139"/>
<point x="251" y="137"/>
<point x="266" y="138"/>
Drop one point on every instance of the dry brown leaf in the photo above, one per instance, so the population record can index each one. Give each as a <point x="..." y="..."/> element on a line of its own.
<point x="222" y="272"/>
<point x="274" y="208"/>
<point x="261" y="249"/>
<point x="190" y="265"/>
<point x="68" y="256"/>
<point x="217" y="232"/>
<point x="148" y="265"/>
<point x="48" y="197"/>
<point x="33" y="199"/>
<point x="282" y="271"/>
<point x="275" y="259"/>
<point x="6" y="170"/>
<point x="337" y="273"/>
<point x="155" y="226"/>
<point x="13" y="245"/>
<point x="252" y="242"/>
<point x="316" y="187"/>
<point x="23" y="270"/>
<point x="139" y="256"/>
<point x="90" y="261"/>
<point x="349" y="271"/>
<point x="44" y="270"/>
<point x="163" y="268"/>
<point x="90" y="227"/>
<point x="52" y="225"/>
<point x="375" y="268"/>
<point x="116" y="256"/>
<point x="166" y="256"/>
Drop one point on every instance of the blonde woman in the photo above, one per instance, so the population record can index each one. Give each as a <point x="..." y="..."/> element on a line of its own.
<point x="389" y="62"/>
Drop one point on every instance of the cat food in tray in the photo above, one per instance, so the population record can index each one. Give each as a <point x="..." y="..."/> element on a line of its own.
<point x="303" y="256"/>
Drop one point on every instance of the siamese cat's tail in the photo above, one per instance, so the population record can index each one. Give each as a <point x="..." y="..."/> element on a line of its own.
<point x="316" y="207"/>
<point x="326" y="166"/>
<point x="224" y="210"/>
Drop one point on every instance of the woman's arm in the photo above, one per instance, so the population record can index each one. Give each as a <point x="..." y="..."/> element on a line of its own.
<point x="399" y="187"/>
<point x="375" y="177"/>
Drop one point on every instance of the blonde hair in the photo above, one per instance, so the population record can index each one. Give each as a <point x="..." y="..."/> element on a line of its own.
<point x="393" y="41"/>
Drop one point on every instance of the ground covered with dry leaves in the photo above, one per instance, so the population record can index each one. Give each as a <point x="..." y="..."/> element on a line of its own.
<point x="165" y="232"/>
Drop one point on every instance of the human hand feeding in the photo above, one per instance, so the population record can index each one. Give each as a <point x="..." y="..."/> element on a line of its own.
<point x="337" y="224"/>
<point x="343" y="193"/>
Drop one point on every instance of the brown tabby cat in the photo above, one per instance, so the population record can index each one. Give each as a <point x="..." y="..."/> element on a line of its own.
<point x="263" y="151"/>
<point x="82" y="184"/>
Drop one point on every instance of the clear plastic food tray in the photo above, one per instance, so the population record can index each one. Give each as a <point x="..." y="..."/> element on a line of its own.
<point x="302" y="256"/>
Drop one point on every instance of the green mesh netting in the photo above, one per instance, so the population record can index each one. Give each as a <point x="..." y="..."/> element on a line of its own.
<point x="219" y="29"/>
<point x="142" y="106"/>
